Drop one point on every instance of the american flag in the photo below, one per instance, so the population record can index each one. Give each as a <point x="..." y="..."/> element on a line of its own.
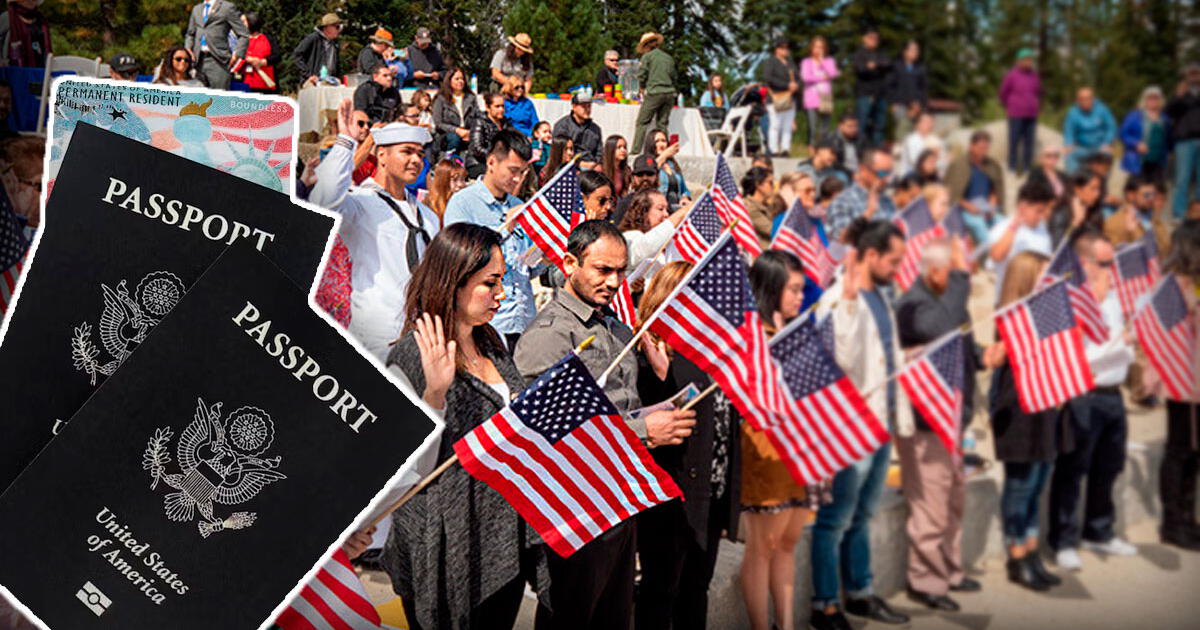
<point x="333" y="600"/>
<point x="551" y="214"/>
<point x="1168" y="336"/>
<point x="623" y="307"/>
<point x="1045" y="349"/>
<point x="919" y="228"/>
<point x="713" y="321"/>
<point x="1065" y="264"/>
<point x="797" y="234"/>
<point x="12" y="253"/>
<point x="1151" y="246"/>
<point x="934" y="384"/>
<point x="1133" y="275"/>
<point x="699" y="230"/>
<point x="829" y="425"/>
<point x="563" y="457"/>
<point x="730" y="207"/>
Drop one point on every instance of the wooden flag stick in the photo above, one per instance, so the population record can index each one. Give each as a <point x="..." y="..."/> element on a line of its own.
<point x="428" y="479"/>
<point x="693" y="402"/>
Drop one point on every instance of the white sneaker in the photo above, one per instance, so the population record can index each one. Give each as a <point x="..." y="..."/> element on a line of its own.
<point x="1114" y="547"/>
<point x="1068" y="559"/>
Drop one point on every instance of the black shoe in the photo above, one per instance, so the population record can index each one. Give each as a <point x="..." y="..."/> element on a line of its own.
<point x="1180" y="537"/>
<point x="875" y="609"/>
<point x="1039" y="568"/>
<point x="1020" y="572"/>
<point x="834" y="621"/>
<point x="967" y="585"/>
<point x="936" y="602"/>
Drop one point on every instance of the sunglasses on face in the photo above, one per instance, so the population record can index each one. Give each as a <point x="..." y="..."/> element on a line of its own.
<point x="178" y="59"/>
<point x="883" y="174"/>
<point x="362" y="123"/>
<point x="606" y="201"/>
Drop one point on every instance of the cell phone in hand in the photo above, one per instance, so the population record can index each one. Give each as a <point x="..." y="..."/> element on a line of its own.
<point x="674" y="138"/>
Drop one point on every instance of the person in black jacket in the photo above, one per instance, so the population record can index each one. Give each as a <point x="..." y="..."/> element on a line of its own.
<point x="779" y="74"/>
<point x="907" y="89"/>
<point x="677" y="541"/>
<point x="454" y="110"/>
<point x="427" y="63"/>
<point x="871" y="68"/>
<point x="483" y="130"/>
<point x="377" y="97"/>
<point x="1027" y="443"/>
<point x="934" y="483"/>
<point x="607" y="74"/>
<point x="582" y="130"/>
<point x="319" y="50"/>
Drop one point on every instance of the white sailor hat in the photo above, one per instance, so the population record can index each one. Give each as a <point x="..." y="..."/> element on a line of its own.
<point x="396" y="133"/>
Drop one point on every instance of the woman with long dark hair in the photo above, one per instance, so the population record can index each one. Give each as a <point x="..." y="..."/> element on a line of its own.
<point x="176" y="68"/>
<point x="562" y="150"/>
<point x="1081" y="207"/>
<point x="262" y="55"/>
<point x="670" y="175"/>
<point x="453" y="110"/>
<point x="615" y="163"/>
<point x="458" y="554"/>
<point x="648" y="224"/>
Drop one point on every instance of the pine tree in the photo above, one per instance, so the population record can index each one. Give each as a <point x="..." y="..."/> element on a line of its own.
<point x="568" y="40"/>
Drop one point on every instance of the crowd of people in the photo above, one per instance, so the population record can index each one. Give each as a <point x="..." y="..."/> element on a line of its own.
<point x="431" y="273"/>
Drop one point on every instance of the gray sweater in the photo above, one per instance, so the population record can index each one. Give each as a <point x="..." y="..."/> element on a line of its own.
<point x="458" y="542"/>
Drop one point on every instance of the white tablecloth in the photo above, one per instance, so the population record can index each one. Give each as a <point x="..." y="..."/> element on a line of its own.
<point x="613" y="118"/>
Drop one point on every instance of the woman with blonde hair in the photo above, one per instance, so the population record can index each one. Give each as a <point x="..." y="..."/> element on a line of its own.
<point x="448" y="177"/>
<point x="1027" y="443"/>
<point x="678" y="541"/>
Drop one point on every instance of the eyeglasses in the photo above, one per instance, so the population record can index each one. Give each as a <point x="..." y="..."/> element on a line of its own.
<point x="883" y="174"/>
<point x="1104" y="264"/>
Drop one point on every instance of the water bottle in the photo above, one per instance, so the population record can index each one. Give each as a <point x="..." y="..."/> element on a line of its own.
<point x="474" y="84"/>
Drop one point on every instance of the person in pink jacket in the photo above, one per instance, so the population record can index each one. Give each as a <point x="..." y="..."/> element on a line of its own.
<point x="817" y="71"/>
<point x="1021" y="95"/>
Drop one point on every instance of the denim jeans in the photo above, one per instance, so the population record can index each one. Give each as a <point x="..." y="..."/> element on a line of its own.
<point x="979" y="225"/>
<point x="1187" y="174"/>
<point x="1021" y="134"/>
<point x="1020" y="499"/>
<point x="872" y="118"/>
<point x="841" y="537"/>
<point x="818" y="124"/>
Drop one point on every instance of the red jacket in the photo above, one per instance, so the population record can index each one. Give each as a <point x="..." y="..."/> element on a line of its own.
<point x="259" y="46"/>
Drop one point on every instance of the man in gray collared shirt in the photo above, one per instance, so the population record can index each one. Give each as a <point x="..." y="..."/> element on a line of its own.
<point x="594" y="587"/>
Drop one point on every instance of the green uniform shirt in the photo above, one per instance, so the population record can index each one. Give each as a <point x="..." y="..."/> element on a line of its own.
<point x="656" y="75"/>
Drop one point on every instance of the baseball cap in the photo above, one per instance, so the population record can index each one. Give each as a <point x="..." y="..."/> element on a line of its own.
<point x="423" y="36"/>
<point x="644" y="164"/>
<point x="123" y="62"/>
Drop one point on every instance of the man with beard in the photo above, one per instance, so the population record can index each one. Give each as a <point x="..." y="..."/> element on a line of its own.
<point x="867" y="348"/>
<point x="384" y="228"/>
<point x="594" y="587"/>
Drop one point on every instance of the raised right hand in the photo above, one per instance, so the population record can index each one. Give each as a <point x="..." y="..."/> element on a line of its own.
<point x="437" y="359"/>
<point x="667" y="427"/>
<point x="345" y="117"/>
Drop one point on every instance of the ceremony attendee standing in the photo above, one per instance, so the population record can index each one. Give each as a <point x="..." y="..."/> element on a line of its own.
<point x="1027" y="443"/>
<point x="867" y="348"/>
<point x="427" y="63"/>
<point x="24" y="34"/>
<point x="262" y="55"/>
<point x="453" y="111"/>
<point x="818" y="70"/>
<point x="1146" y="137"/>
<point x="976" y="184"/>
<point x="513" y="61"/>
<point x="776" y="509"/>
<point x="1025" y="230"/>
<point x="908" y="88"/>
<point x="779" y="74"/>
<point x="933" y="477"/>
<point x="871" y="69"/>
<point x="1021" y="96"/>
<point x="316" y="56"/>
<point x="384" y="229"/>
<point x="207" y="38"/>
<point x="593" y="588"/>
<point x="1184" y="112"/>
<point x="488" y="202"/>
<point x="1100" y="427"/>
<point x="678" y="541"/>
<point x="1181" y="456"/>
<point x="865" y="197"/>
<point x="656" y="78"/>
<point x="458" y="554"/>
